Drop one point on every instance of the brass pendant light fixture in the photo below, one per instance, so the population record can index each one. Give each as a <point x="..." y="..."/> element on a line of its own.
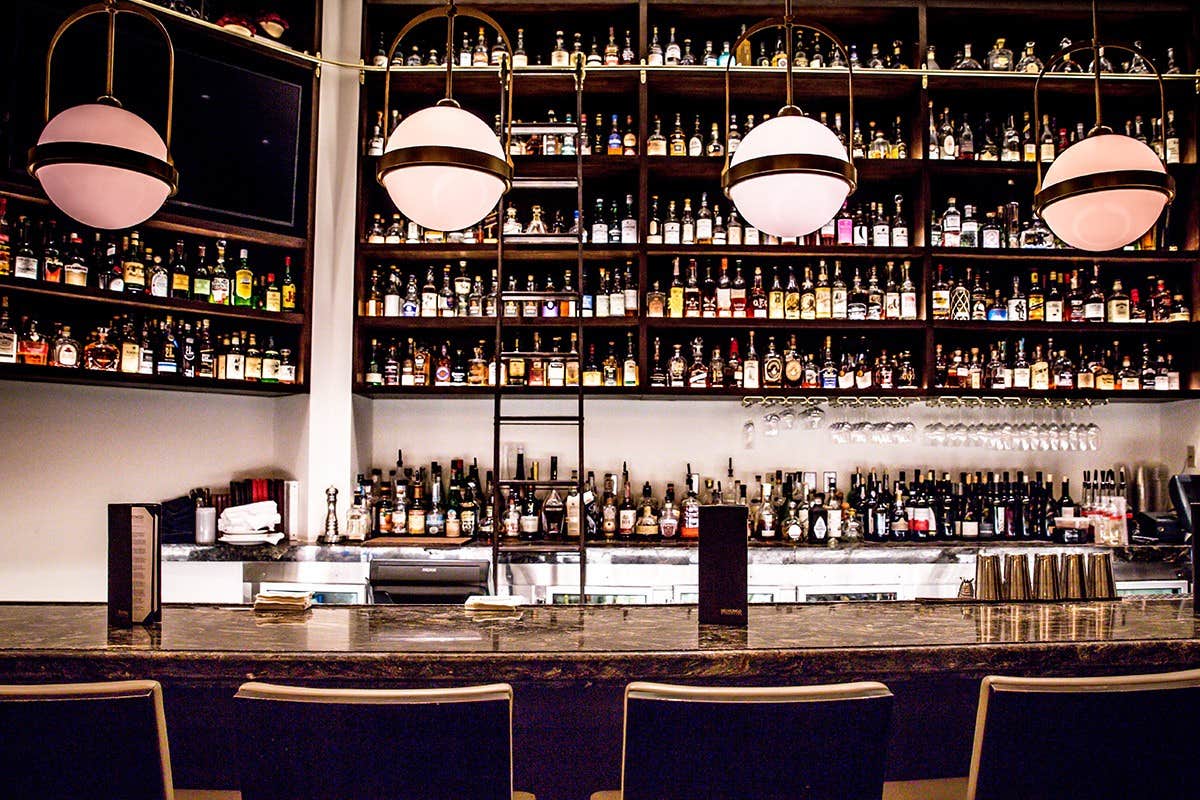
<point x="98" y="163"/>
<point x="1106" y="190"/>
<point x="790" y="174"/>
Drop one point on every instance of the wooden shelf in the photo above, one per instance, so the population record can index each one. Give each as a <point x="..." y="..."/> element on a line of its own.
<point x="173" y="222"/>
<point x="165" y="305"/>
<point x="1190" y="329"/>
<point x="260" y="45"/>
<point x="514" y="252"/>
<point x="798" y="325"/>
<point x="732" y="393"/>
<point x="783" y="251"/>
<point x="696" y="168"/>
<point x="1127" y="395"/>
<point x="1034" y="256"/>
<point x="489" y="323"/>
<point x="84" y="377"/>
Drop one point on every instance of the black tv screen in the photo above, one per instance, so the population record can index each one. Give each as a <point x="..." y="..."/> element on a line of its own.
<point x="237" y="141"/>
<point x="241" y="120"/>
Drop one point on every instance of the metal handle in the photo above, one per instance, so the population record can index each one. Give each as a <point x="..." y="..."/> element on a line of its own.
<point x="788" y="23"/>
<point x="1094" y="46"/>
<point x="450" y="11"/>
<point x="112" y="8"/>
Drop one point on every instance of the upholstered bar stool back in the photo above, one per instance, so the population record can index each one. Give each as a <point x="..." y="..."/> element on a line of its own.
<point x="85" y="740"/>
<point x="790" y="743"/>
<point x="1113" y="738"/>
<point x="370" y="744"/>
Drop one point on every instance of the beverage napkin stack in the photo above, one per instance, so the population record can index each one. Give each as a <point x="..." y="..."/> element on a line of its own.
<point x="283" y="601"/>
<point x="485" y="602"/>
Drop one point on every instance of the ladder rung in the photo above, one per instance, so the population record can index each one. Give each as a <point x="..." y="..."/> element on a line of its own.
<point x="539" y="484"/>
<point x="544" y="183"/>
<point x="541" y="238"/>
<point x="518" y="419"/>
<point x="539" y="354"/>
<point x="535" y="295"/>
<point x="553" y="128"/>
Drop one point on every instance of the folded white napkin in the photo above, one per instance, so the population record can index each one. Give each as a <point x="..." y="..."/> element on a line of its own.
<point x="263" y="516"/>
<point x="251" y="538"/>
<point x="486" y="602"/>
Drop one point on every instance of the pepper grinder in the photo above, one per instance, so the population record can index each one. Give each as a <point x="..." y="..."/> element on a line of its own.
<point x="331" y="522"/>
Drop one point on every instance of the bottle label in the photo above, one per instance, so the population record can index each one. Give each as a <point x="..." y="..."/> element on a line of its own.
<point x="704" y="228"/>
<point x="25" y="267"/>
<point x="627" y="520"/>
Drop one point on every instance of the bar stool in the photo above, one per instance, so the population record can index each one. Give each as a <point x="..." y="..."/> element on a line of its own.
<point x="75" y="740"/>
<point x="360" y="744"/>
<point x="1110" y="738"/>
<point x="787" y="743"/>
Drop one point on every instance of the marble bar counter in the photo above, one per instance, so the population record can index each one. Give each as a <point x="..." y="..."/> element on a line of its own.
<point x="570" y="664"/>
<point x="659" y="553"/>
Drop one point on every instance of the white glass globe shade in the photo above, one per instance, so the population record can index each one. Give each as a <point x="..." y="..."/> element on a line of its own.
<point x="1110" y="218"/>
<point x="789" y="204"/>
<point x="436" y="196"/>
<point x="98" y="195"/>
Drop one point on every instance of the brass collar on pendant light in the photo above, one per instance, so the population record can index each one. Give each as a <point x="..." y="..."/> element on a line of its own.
<point x="789" y="175"/>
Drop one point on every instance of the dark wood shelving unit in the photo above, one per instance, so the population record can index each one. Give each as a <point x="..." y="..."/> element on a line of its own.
<point x="259" y="54"/>
<point x="91" y="296"/>
<point x="86" y="377"/>
<point x="646" y="91"/>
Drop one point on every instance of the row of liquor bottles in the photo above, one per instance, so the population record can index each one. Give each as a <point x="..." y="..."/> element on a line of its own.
<point x="149" y="345"/>
<point x="1002" y="59"/>
<point x="410" y="362"/>
<point x="1047" y="367"/>
<point x="811" y="50"/>
<point x="1006" y="228"/>
<point x="950" y="137"/>
<point x="789" y="506"/>
<point x="707" y="138"/>
<point x="610" y="292"/>
<point x="954" y="137"/>
<point x="416" y="363"/>
<point x="1060" y="297"/>
<point x="685" y="223"/>
<point x="873" y="293"/>
<point x="1041" y="366"/>
<point x="135" y="268"/>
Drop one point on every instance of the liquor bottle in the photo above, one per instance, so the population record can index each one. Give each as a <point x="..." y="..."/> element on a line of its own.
<point x="52" y="263"/>
<point x="553" y="508"/>
<point x="6" y="266"/>
<point x="656" y="143"/>
<point x="133" y="266"/>
<point x="243" y="281"/>
<point x="758" y="296"/>
<point x="159" y="277"/>
<point x="689" y="512"/>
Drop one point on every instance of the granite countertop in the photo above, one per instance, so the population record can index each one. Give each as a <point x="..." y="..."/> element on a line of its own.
<point x="807" y="641"/>
<point x="679" y="553"/>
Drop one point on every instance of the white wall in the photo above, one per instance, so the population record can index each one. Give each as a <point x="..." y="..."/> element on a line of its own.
<point x="658" y="438"/>
<point x="66" y="452"/>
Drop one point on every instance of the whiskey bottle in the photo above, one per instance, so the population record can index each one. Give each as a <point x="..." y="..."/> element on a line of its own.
<point x="656" y="143"/>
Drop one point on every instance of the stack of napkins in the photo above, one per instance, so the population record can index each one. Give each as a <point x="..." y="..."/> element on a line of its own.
<point x="485" y="602"/>
<point x="283" y="600"/>
<point x="251" y="518"/>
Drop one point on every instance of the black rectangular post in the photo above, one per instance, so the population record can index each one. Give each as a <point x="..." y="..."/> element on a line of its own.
<point x="1195" y="553"/>
<point x="723" y="565"/>
<point x="134" y="564"/>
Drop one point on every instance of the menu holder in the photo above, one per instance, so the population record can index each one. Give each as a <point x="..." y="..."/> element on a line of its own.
<point x="134" y="564"/>
<point x="723" y="566"/>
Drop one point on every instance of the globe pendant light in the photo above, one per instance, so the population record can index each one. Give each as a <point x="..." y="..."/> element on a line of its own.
<point x="1106" y="190"/>
<point x="444" y="167"/>
<point x="790" y="174"/>
<point x="98" y="163"/>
